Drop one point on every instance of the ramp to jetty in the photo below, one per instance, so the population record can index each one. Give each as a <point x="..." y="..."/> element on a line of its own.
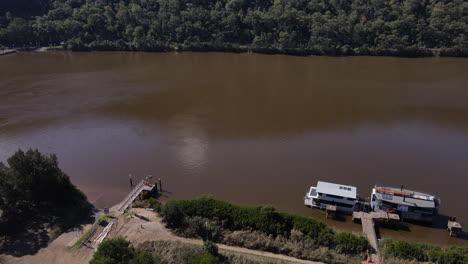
<point x="368" y="227"/>
<point x="140" y="187"/>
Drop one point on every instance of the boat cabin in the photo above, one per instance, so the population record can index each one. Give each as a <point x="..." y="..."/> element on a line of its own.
<point x="341" y="197"/>
<point x="410" y="205"/>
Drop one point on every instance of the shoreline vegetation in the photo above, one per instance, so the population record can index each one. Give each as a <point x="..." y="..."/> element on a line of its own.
<point x="262" y="228"/>
<point x="38" y="202"/>
<point x="405" y="28"/>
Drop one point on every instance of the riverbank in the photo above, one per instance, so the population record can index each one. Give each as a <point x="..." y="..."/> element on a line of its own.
<point x="302" y="237"/>
<point x="409" y="52"/>
<point x="144" y="228"/>
<point x="7" y="51"/>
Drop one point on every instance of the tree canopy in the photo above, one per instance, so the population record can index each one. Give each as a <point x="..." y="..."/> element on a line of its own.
<point x="33" y="184"/>
<point x="327" y="27"/>
<point x="119" y="251"/>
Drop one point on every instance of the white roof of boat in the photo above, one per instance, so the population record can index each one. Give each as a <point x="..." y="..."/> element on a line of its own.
<point x="337" y="189"/>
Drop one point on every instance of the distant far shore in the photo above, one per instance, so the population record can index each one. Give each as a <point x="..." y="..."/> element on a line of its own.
<point x="403" y="53"/>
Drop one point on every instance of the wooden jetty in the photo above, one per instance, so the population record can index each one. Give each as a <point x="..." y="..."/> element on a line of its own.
<point x="368" y="227"/>
<point x="454" y="227"/>
<point x="330" y="211"/>
<point x="141" y="187"/>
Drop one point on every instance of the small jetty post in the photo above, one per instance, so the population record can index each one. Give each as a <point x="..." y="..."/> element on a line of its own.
<point x="330" y="211"/>
<point x="160" y="184"/>
<point x="131" y="182"/>
<point x="454" y="227"/>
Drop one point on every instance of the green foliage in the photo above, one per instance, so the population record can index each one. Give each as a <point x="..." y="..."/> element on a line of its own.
<point x="119" y="251"/>
<point x="33" y="182"/>
<point x="89" y="233"/>
<point x="172" y="214"/>
<point x="423" y="252"/>
<point x="203" y="259"/>
<point x="350" y="244"/>
<point x="154" y="204"/>
<point x="263" y="219"/>
<point x="210" y="247"/>
<point x="360" y="27"/>
<point x="142" y="257"/>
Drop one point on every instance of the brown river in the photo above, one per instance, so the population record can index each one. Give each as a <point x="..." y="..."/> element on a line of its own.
<point x="248" y="128"/>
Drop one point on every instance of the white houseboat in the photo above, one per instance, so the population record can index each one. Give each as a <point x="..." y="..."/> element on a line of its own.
<point x="410" y="205"/>
<point x="343" y="197"/>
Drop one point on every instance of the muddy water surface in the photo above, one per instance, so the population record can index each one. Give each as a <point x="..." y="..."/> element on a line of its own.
<point x="248" y="128"/>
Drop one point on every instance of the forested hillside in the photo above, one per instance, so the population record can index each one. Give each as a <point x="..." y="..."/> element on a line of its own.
<point x="323" y="27"/>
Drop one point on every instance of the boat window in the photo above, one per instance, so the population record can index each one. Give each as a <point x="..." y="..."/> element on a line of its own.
<point x="334" y="196"/>
<point x="313" y="192"/>
<point x="387" y="196"/>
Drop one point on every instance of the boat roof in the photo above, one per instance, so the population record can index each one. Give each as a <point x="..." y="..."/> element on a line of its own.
<point x="337" y="189"/>
<point x="410" y="198"/>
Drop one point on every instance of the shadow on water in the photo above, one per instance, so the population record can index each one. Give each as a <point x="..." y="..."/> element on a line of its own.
<point x="396" y="226"/>
<point x="339" y="218"/>
<point x="164" y="194"/>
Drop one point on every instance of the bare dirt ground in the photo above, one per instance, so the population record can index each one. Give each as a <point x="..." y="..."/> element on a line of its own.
<point x="139" y="226"/>
<point x="56" y="252"/>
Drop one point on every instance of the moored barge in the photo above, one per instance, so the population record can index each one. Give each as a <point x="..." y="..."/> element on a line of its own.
<point x="343" y="198"/>
<point x="410" y="205"/>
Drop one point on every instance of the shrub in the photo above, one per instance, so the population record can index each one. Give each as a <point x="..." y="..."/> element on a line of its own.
<point x="422" y="252"/>
<point x="210" y="247"/>
<point x="264" y="219"/>
<point x="116" y="250"/>
<point x="155" y="204"/>
<point x="203" y="259"/>
<point x="405" y="250"/>
<point x="140" y="204"/>
<point x="142" y="257"/>
<point x="172" y="214"/>
<point x="119" y="251"/>
<point x="348" y="243"/>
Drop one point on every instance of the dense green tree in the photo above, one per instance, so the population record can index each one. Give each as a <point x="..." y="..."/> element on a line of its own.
<point x="33" y="182"/>
<point x="333" y="27"/>
<point x="119" y="251"/>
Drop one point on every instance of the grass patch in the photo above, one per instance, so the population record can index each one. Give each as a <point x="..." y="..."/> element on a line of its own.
<point x="411" y="251"/>
<point x="85" y="237"/>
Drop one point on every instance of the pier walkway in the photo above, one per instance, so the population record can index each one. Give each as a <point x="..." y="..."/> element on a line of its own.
<point x="368" y="227"/>
<point x="140" y="187"/>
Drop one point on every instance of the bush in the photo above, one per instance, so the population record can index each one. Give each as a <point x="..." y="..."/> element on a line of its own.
<point x="119" y="251"/>
<point x="203" y="259"/>
<point x="210" y="247"/>
<point x="264" y="219"/>
<point x="155" y="204"/>
<point x="348" y="243"/>
<point x="172" y="214"/>
<point x="422" y="252"/>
